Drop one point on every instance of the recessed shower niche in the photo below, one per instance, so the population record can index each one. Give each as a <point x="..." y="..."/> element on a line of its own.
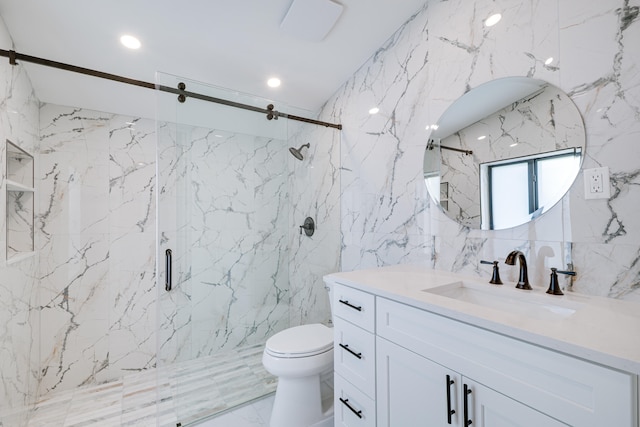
<point x="20" y="203"/>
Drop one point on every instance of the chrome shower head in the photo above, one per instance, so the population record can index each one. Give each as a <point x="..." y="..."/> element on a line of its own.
<point x="296" y="151"/>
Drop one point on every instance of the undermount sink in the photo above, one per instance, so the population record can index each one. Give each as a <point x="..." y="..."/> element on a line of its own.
<point x="499" y="297"/>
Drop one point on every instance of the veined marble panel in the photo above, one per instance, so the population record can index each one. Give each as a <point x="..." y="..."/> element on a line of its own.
<point x="73" y="290"/>
<point x="73" y="191"/>
<point x="428" y="64"/>
<point x="225" y="216"/>
<point x="19" y="226"/>
<point x="19" y="329"/>
<point x="19" y="314"/>
<point x="608" y="270"/>
<point x="605" y="84"/>
<point x="314" y="185"/>
<point x="96" y="224"/>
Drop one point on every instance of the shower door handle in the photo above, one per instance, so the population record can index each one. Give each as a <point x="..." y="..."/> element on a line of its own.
<point x="167" y="270"/>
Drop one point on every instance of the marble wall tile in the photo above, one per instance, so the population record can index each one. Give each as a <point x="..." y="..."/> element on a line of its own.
<point x="314" y="191"/>
<point x="73" y="290"/>
<point x="428" y="64"/>
<point x="364" y="186"/>
<point x="226" y="216"/>
<point x="601" y="78"/>
<point x="96" y="228"/>
<point x="613" y="270"/>
<point x="19" y="345"/>
<point x="19" y="313"/>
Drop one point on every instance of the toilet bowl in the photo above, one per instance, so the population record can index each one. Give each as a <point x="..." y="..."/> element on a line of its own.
<point x="302" y="359"/>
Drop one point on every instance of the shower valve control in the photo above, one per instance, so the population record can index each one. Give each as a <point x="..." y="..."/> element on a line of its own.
<point x="309" y="226"/>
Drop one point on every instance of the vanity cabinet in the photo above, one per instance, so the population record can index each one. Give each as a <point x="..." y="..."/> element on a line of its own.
<point x="354" y="357"/>
<point x="437" y="355"/>
<point x="511" y="382"/>
<point x="413" y="390"/>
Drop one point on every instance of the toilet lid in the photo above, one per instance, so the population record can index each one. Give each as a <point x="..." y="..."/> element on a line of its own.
<point x="300" y="341"/>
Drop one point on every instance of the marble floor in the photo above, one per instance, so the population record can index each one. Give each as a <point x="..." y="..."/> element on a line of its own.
<point x="256" y="414"/>
<point x="184" y="393"/>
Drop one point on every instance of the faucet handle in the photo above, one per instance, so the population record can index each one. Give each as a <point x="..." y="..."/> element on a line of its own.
<point x="568" y="273"/>
<point x="495" y="278"/>
<point x="554" y="287"/>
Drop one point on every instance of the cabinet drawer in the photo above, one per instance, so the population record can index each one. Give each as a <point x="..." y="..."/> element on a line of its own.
<point x="566" y="388"/>
<point x="352" y="408"/>
<point x="354" y="355"/>
<point x="355" y="306"/>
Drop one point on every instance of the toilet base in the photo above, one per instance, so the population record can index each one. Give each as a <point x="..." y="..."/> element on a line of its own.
<point x="327" y="422"/>
<point x="299" y="402"/>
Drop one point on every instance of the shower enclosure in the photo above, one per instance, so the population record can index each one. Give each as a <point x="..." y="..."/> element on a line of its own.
<point x="80" y="343"/>
<point x="229" y="200"/>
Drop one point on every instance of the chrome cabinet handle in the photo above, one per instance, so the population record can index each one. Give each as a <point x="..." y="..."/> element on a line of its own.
<point x="355" y="307"/>
<point x="167" y="270"/>
<point x="346" y="347"/>
<point x="346" y="403"/>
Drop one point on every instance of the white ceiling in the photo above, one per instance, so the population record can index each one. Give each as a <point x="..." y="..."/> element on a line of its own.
<point x="236" y="44"/>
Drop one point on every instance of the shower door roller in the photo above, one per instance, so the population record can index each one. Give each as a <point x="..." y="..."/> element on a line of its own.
<point x="309" y="226"/>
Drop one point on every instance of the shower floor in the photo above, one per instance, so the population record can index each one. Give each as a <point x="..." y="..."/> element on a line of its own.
<point x="185" y="392"/>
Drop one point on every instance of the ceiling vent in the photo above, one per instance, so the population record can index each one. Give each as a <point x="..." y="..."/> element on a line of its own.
<point x="311" y="19"/>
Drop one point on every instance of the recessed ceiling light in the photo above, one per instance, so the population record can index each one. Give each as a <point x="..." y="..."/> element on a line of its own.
<point x="549" y="60"/>
<point x="480" y="138"/>
<point x="274" y="82"/>
<point x="374" y="110"/>
<point x="493" y="20"/>
<point x="130" y="41"/>
<point x="513" y="145"/>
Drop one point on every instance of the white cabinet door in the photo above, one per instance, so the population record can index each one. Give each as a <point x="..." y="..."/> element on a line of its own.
<point x="413" y="391"/>
<point x="488" y="408"/>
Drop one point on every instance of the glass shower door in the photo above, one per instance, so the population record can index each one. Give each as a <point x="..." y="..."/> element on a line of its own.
<point x="223" y="229"/>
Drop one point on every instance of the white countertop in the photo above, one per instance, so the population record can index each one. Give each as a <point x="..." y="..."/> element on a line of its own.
<point x="601" y="330"/>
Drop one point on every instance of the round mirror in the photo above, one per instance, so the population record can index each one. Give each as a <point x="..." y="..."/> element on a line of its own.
<point x="504" y="153"/>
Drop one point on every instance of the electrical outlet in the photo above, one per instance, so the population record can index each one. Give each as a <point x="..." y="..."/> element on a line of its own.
<point x="596" y="183"/>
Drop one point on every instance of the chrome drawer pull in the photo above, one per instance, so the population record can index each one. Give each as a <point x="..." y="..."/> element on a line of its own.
<point x="359" y="308"/>
<point x="346" y="347"/>
<point x="346" y="403"/>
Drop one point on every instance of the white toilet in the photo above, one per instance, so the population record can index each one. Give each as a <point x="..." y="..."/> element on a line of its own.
<point x="302" y="359"/>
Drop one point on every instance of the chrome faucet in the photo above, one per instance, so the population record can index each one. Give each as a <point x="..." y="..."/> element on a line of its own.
<point x="523" y="281"/>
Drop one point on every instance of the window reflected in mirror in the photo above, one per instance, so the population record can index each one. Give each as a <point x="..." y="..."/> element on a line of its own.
<point x="514" y="191"/>
<point x="504" y="153"/>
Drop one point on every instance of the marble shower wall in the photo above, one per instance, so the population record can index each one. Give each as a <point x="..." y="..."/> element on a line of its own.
<point x="227" y="214"/>
<point x="314" y="185"/>
<point x="439" y="54"/>
<point x="96" y="224"/>
<point x="224" y="212"/>
<point x="19" y="314"/>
